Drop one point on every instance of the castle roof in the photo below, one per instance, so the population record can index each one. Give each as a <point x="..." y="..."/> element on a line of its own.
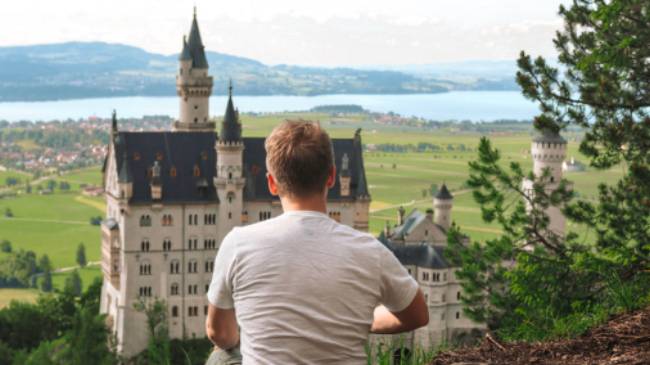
<point x="549" y="136"/>
<point x="443" y="193"/>
<point x="423" y="255"/>
<point x="230" y="127"/>
<point x="185" y="54"/>
<point x="411" y="221"/>
<point x="187" y="163"/>
<point x="195" y="46"/>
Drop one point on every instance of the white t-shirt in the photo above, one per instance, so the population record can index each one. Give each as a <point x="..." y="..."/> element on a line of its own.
<point x="304" y="288"/>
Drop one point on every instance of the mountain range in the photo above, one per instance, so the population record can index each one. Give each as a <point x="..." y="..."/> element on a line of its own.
<point x="95" y="69"/>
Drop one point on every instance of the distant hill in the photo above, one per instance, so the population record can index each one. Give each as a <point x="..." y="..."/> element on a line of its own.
<point x="95" y="69"/>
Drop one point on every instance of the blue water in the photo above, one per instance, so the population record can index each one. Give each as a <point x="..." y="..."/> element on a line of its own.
<point x="460" y="105"/>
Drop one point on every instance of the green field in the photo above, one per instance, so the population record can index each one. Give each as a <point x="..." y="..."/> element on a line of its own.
<point x="21" y="295"/>
<point x="55" y="224"/>
<point x="20" y="176"/>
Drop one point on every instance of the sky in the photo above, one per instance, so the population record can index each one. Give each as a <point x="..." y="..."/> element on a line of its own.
<point x="303" y="32"/>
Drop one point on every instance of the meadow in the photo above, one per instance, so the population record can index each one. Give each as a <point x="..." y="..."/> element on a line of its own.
<point x="55" y="224"/>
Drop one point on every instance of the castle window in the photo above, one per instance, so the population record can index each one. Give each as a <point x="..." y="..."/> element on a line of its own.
<point x="209" y="266"/>
<point x="264" y="216"/>
<point x="443" y="298"/>
<point x="196" y="120"/>
<point x="209" y="244"/>
<point x="457" y="315"/>
<point x="192" y="244"/>
<point x="174" y="289"/>
<point x="205" y="310"/>
<point x="192" y="289"/>
<point x="197" y="171"/>
<point x="425" y="276"/>
<point x="145" y="221"/>
<point x="145" y="268"/>
<point x="167" y="245"/>
<point x="426" y="298"/>
<point x="444" y="277"/>
<point x="229" y="215"/>
<point x="167" y="220"/>
<point x="159" y="156"/>
<point x="231" y="196"/>
<point x="175" y="311"/>
<point x="230" y="176"/>
<point x="136" y="156"/>
<point x="204" y="155"/>
<point x="207" y="288"/>
<point x="145" y="291"/>
<point x="458" y="296"/>
<point x="174" y="267"/>
<point x="426" y="232"/>
<point x="144" y="245"/>
<point x="172" y="171"/>
<point x="196" y="107"/>
<point x="192" y="266"/>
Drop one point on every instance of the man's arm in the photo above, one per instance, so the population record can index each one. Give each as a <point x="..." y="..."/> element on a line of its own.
<point x="221" y="327"/>
<point x="415" y="315"/>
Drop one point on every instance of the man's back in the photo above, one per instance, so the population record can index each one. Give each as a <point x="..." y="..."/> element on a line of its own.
<point x="304" y="288"/>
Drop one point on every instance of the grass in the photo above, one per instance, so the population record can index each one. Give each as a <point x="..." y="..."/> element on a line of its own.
<point x="55" y="224"/>
<point x="19" y="175"/>
<point x="87" y="274"/>
<point x="21" y="295"/>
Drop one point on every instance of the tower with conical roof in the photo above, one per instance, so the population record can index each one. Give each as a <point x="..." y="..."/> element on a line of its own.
<point x="193" y="84"/>
<point x="230" y="180"/>
<point x="442" y="204"/>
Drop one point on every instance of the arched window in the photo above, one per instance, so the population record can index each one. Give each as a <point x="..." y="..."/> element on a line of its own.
<point x="174" y="267"/>
<point x="174" y="289"/>
<point x="167" y="244"/>
<point x="197" y="171"/>
<point x="192" y="266"/>
<point x="209" y="266"/>
<point x="145" y="221"/>
<point x="145" y="268"/>
<point x="175" y="311"/>
<point x="144" y="245"/>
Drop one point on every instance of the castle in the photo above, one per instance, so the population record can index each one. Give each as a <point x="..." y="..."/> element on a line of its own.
<point x="419" y="240"/>
<point x="172" y="196"/>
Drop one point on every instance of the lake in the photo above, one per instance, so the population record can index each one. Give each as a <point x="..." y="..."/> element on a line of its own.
<point x="457" y="105"/>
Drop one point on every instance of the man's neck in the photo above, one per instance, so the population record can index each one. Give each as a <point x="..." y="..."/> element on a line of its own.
<point x="316" y="203"/>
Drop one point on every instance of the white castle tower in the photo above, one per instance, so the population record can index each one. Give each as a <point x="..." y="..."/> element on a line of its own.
<point x="193" y="84"/>
<point x="549" y="151"/>
<point x="229" y="181"/>
<point x="442" y="204"/>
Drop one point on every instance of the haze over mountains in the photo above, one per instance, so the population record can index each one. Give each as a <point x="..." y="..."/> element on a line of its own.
<point x="94" y="69"/>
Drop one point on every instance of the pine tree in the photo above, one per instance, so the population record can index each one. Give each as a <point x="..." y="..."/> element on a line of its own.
<point x="73" y="284"/>
<point x="526" y="282"/>
<point x="46" y="284"/>
<point x="81" y="255"/>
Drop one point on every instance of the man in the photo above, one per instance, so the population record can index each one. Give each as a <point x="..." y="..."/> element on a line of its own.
<point x="302" y="288"/>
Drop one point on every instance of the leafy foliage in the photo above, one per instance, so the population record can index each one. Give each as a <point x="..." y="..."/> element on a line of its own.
<point x="531" y="283"/>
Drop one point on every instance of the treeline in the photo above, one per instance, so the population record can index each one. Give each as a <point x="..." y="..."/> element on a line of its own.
<point x="342" y="108"/>
<point x="53" y="138"/>
<point x="420" y="147"/>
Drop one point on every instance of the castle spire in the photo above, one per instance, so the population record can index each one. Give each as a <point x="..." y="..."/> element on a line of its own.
<point x="195" y="45"/>
<point x="230" y="127"/>
<point x="114" y="122"/>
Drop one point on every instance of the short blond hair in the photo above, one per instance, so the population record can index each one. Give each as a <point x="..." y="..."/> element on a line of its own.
<point x="299" y="155"/>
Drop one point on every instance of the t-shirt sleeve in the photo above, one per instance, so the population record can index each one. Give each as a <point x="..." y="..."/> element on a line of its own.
<point x="221" y="289"/>
<point x="397" y="286"/>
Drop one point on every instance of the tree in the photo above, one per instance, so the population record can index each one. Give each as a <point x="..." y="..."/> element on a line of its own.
<point x="51" y="184"/>
<point x="5" y="246"/>
<point x="46" y="283"/>
<point x="529" y="282"/>
<point x="158" y="349"/>
<point x="73" y="284"/>
<point x="81" y="255"/>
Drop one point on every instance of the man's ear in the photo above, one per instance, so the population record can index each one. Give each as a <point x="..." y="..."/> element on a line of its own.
<point x="273" y="186"/>
<point x="331" y="179"/>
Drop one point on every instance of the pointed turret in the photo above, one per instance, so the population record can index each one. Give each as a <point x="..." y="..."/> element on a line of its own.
<point x="230" y="127"/>
<point x="195" y="46"/>
<point x="185" y="53"/>
<point x="443" y="193"/>
<point x="193" y="85"/>
<point x="114" y="122"/>
<point x="442" y="204"/>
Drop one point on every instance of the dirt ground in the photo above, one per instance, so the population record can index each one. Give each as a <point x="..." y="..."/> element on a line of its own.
<point x="625" y="339"/>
